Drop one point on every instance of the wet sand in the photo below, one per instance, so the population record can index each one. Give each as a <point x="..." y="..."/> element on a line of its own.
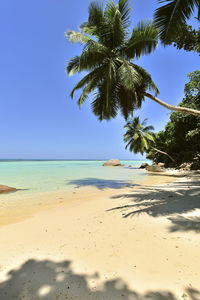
<point x="21" y="205"/>
<point x="130" y="243"/>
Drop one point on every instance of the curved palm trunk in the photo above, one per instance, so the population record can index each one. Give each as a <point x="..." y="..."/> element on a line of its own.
<point x="183" y="110"/>
<point x="162" y="152"/>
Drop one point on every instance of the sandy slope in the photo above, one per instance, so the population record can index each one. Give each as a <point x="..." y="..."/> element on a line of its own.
<point x="140" y="244"/>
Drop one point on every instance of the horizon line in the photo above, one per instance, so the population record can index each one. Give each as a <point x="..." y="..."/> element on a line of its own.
<point x="51" y="159"/>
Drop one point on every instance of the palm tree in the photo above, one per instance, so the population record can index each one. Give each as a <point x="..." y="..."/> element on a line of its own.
<point x="170" y="17"/>
<point x="140" y="138"/>
<point x="116" y="82"/>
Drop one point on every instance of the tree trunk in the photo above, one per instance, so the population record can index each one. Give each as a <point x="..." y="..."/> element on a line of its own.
<point x="162" y="152"/>
<point x="180" y="109"/>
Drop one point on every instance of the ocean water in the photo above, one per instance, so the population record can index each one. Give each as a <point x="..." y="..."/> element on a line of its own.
<point x="44" y="176"/>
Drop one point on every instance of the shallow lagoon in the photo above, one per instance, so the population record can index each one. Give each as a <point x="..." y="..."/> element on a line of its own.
<point x="43" y="176"/>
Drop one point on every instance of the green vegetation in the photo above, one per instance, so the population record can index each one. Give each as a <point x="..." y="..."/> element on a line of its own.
<point x="187" y="39"/>
<point x="181" y="136"/>
<point x="118" y="84"/>
<point x="171" y="17"/>
<point x="115" y="81"/>
<point x="140" y="138"/>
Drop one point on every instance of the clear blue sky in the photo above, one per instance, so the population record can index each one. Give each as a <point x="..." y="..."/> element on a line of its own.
<point x="37" y="118"/>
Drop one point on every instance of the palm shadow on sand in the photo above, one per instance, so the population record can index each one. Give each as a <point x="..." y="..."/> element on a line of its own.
<point x="158" y="201"/>
<point x="49" y="280"/>
<point x="101" y="184"/>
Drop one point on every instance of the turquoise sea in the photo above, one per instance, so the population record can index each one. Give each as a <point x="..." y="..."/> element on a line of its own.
<point x="52" y="175"/>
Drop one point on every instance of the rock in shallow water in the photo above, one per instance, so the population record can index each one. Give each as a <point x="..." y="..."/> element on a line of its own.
<point x="113" y="162"/>
<point x="143" y="166"/>
<point x="6" y="189"/>
<point x="155" y="168"/>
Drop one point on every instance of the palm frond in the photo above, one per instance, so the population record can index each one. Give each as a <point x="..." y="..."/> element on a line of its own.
<point x="136" y="136"/>
<point x="125" y="9"/>
<point x="128" y="144"/>
<point x="101" y="110"/>
<point x="105" y="104"/>
<point x="85" y="80"/>
<point x="144" y="122"/>
<point x="86" y="28"/>
<point x="96" y="15"/>
<point x="143" y="41"/>
<point x="148" y="128"/>
<point x="127" y="102"/>
<point x="150" y="136"/>
<point x="83" y="96"/>
<point x="73" y="66"/>
<point x="129" y="77"/>
<point x="92" y="56"/>
<point x="96" y="22"/>
<point x="89" y="88"/>
<point x="147" y="82"/>
<point x="116" y="29"/>
<point x="93" y="78"/>
<point x="170" y="17"/>
<point x="110" y="10"/>
<point x="133" y="82"/>
<point x="144" y="144"/>
<point x="77" y="37"/>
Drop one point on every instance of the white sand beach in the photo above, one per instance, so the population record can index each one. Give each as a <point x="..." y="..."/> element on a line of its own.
<point x="124" y="244"/>
<point x="100" y="150"/>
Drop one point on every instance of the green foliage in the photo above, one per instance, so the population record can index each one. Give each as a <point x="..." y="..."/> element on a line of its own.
<point x="187" y="39"/>
<point x="171" y="17"/>
<point x="116" y="83"/>
<point x="138" y="136"/>
<point x="181" y="136"/>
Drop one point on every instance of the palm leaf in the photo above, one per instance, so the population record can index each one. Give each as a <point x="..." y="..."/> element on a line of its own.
<point x="170" y="17"/>
<point x="148" y="128"/>
<point x="125" y="9"/>
<point x="143" y="40"/>
<point x="129" y="77"/>
<point x="105" y="105"/>
<point x="96" y="15"/>
<point x="73" y="66"/>
<point x="147" y="82"/>
<point x="143" y="122"/>
<point x="76" y="37"/>
<point x="116" y="29"/>
<point x="92" y="56"/>
<point x="86" y="28"/>
<point x="93" y="78"/>
<point x="127" y="102"/>
<point x="100" y="109"/>
<point x="97" y="22"/>
<point x="150" y="136"/>
<point x="144" y="144"/>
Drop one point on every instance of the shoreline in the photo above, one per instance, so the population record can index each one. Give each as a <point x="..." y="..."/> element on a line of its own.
<point x="19" y="206"/>
<point x="133" y="242"/>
